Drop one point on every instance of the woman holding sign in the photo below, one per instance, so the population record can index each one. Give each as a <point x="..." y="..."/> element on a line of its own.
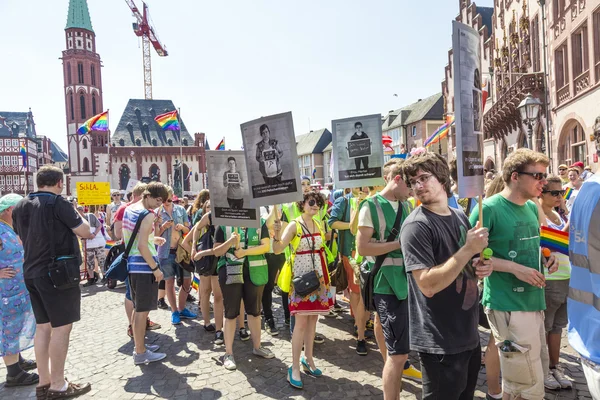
<point x="232" y="180"/>
<point x="268" y="154"/>
<point x="309" y="295"/>
<point x="243" y="273"/>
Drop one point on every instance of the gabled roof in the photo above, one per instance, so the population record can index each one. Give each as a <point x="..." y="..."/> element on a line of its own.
<point x="430" y="108"/>
<point x="313" y="142"/>
<point x="79" y="15"/>
<point x="137" y="122"/>
<point x="57" y="154"/>
<point x="22" y="121"/>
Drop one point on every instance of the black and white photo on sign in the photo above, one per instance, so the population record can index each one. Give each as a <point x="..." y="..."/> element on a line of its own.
<point x="357" y="151"/>
<point x="468" y="105"/>
<point x="270" y="150"/>
<point x="229" y="189"/>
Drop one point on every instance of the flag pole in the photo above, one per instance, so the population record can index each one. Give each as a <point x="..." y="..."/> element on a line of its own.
<point x="180" y="150"/>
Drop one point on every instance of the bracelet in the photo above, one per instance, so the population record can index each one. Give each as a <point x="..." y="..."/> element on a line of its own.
<point x="154" y="269"/>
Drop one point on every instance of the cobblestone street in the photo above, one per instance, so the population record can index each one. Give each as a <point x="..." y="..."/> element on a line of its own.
<point x="100" y="353"/>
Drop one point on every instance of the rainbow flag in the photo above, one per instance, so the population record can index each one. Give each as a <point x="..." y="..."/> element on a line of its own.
<point x="441" y="132"/>
<point x="196" y="282"/>
<point x="568" y="193"/>
<point x="109" y="244"/>
<point x="555" y="240"/>
<point x="96" y="123"/>
<point x="23" y="151"/>
<point x="221" y="145"/>
<point x="168" y="121"/>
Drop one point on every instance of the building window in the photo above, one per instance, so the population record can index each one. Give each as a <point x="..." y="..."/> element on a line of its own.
<point x="596" y="31"/>
<point x="84" y="144"/>
<point x="2" y="180"/>
<point x="558" y="8"/>
<point x="580" y="54"/>
<point x="80" y="73"/>
<point x="15" y="142"/>
<point x="69" y="73"/>
<point x="575" y="148"/>
<point x="414" y="131"/>
<point x="93" y="73"/>
<point x="86" y="165"/>
<point x="535" y="44"/>
<point x="9" y="180"/>
<point x="72" y="107"/>
<point x="94" y="104"/>
<point x="561" y="66"/>
<point x="6" y="160"/>
<point x="82" y="105"/>
<point x="14" y="160"/>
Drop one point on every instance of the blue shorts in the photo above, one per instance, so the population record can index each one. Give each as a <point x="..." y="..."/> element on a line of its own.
<point x="127" y="289"/>
<point x="168" y="266"/>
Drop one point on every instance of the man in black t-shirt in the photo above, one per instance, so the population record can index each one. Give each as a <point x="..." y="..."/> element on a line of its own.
<point x="438" y="244"/>
<point x="55" y="310"/>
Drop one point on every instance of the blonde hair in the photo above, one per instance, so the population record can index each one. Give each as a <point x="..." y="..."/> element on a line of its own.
<point x="496" y="185"/>
<point x="393" y="166"/>
<point x="519" y="159"/>
<point x="139" y="189"/>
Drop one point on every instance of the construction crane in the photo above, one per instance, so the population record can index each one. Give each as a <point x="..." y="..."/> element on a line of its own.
<point x="144" y="29"/>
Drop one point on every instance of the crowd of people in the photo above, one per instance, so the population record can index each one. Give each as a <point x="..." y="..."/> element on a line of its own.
<point x="412" y="258"/>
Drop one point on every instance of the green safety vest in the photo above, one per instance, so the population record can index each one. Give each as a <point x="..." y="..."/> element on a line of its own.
<point x="259" y="271"/>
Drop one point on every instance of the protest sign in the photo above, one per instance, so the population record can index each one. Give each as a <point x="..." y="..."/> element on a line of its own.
<point x="93" y="193"/>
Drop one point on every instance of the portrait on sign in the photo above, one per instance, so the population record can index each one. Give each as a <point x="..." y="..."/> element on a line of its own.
<point x="229" y="189"/>
<point x="358" y="151"/>
<point x="270" y="150"/>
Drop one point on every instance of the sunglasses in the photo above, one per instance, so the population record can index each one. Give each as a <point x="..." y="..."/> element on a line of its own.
<point x="538" y="176"/>
<point x="312" y="202"/>
<point x="562" y="169"/>
<point x="555" y="193"/>
<point x="169" y="201"/>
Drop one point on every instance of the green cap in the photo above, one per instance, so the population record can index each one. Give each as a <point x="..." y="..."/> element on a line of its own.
<point x="487" y="253"/>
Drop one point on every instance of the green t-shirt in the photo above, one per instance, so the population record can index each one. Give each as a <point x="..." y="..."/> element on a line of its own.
<point x="515" y="236"/>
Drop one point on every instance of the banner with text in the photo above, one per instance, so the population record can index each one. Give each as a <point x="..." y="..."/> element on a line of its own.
<point x="230" y="189"/>
<point x="466" y="46"/>
<point x="93" y="193"/>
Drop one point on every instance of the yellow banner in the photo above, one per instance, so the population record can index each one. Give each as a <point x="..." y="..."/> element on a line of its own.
<point x="93" y="193"/>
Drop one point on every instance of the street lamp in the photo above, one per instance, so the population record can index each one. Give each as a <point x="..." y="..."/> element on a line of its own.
<point x="530" y="110"/>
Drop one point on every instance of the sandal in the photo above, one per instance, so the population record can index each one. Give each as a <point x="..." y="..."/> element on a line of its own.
<point x="28" y="365"/>
<point x="22" y="379"/>
<point x="73" y="390"/>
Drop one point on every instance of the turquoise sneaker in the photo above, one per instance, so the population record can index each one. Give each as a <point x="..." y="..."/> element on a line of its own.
<point x="187" y="314"/>
<point x="175" y="318"/>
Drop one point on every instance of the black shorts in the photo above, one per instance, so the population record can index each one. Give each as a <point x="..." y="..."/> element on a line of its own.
<point x="393" y="314"/>
<point x="144" y="292"/>
<point x="50" y="305"/>
<point x="234" y="293"/>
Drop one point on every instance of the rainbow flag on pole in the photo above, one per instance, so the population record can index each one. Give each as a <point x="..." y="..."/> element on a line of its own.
<point x="96" y="123"/>
<point x="23" y="151"/>
<point x="555" y="240"/>
<point x="196" y="282"/>
<point x="221" y="145"/>
<point x="168" y="121"/>
<point x="441" y="132"/>
<point x="568" y="193"/>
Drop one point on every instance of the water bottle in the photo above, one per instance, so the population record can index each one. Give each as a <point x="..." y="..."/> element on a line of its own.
<point x="507" y="347"/>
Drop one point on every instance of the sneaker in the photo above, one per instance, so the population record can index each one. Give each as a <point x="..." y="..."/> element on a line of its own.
<point x="263" y="352"/>
<point x="361" y="347"/>
<point x="162" y="304"/>
<point x="210" y="328"/>
<point x="331" y="314"/>
<point x="130" y="331"/>
<point x="270" y="327"/>
<point x="412" y="373"/>
<point x="190" y="298"/>
<point x="147" y="357"/>
<point x="550" y="382"/>
<point x="152" y="347"/>
<point x="244" y="334"/>
<point x="151" y="326"/>
<point x="229" y="362"/>
<point x="560" y="377"/>
<point x="187" y="314"/>
<point x="219" y="338"/>
<point x="175" y="318"/>
<point x="490" y="397"/>
<point x="286" y="321"/>
<point x="337" y="307"/>
<point x="319" y="339"/>
<point x="277" y="290"/>
<point x="90" y="282"/>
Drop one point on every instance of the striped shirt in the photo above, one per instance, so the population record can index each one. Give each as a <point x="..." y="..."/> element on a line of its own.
<point x="136" y="263"/>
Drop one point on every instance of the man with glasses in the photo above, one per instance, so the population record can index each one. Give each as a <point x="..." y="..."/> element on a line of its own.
<point x="513" y="295"/>
<point x="562" y="172"/>
<point x="111" y="211"/>
<point x="573" y="186"/>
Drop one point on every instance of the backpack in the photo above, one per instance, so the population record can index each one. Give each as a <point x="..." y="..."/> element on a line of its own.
<point x="112" y="255"/>
<point x="206" y="266"/>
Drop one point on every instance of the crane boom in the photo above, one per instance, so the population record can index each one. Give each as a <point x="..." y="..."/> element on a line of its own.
<point x="149" y="37"/>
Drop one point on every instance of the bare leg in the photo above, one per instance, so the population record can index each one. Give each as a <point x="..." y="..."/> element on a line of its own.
<point x="129" y="310"/>
<point x="59" y="346"/>
<point x="170" y="292"/>
<point x="205" y="289"/>
<point x="41" y="344"/>
<point x="183" y="292"/>
<point x="229" y="333"/>
<point x="380" y="338"/>
<point x="492" y="367"/>
<point x="218" y="305"/>
<point x="359" y="314"/>
<point x="298" y="339"/>
<point x="553" y="340"/>
<point x="392" y="376"/>
<point x="254" y="326"/>
<point x="309" y="339"/>
<point x="139" y="331"/>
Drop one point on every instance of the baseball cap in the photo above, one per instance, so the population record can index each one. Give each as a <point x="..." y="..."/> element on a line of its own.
<point x="175" y="199"/>
<point x="578" y="164"/>
<point x="563" y="166"/>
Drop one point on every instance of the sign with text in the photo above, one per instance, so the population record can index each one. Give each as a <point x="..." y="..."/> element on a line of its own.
<point x="359" y="148"/>
<point x="468" y="105"/>
<point x="93" y="193"/>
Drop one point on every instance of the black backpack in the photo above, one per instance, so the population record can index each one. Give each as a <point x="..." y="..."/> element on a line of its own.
<point x="112" y="255"/>
<point x="206" y="266"/>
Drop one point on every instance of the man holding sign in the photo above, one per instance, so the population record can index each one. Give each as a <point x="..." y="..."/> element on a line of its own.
<point x="268" y="153"/>
<point x="232" y="180"/>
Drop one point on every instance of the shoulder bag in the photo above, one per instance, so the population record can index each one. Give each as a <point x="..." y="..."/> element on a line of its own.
<point x="367" y="278"/>
<point x="308" y="283"/>
<point x="118" y="269"/>
<point x="207" y="265"/>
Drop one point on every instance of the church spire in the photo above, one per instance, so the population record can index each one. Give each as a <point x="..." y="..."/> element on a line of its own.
<point x="79" y="15"/>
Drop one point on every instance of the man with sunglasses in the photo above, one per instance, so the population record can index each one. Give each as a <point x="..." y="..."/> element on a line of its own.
<point x="113" y="207"/>
<point x="562" y="172"/>
<point x="513" y="295"/>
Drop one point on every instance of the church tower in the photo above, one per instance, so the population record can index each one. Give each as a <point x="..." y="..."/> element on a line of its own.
<point x="82" y="89"/>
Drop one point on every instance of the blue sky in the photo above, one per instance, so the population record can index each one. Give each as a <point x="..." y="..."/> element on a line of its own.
<point x="233" y="61"/>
